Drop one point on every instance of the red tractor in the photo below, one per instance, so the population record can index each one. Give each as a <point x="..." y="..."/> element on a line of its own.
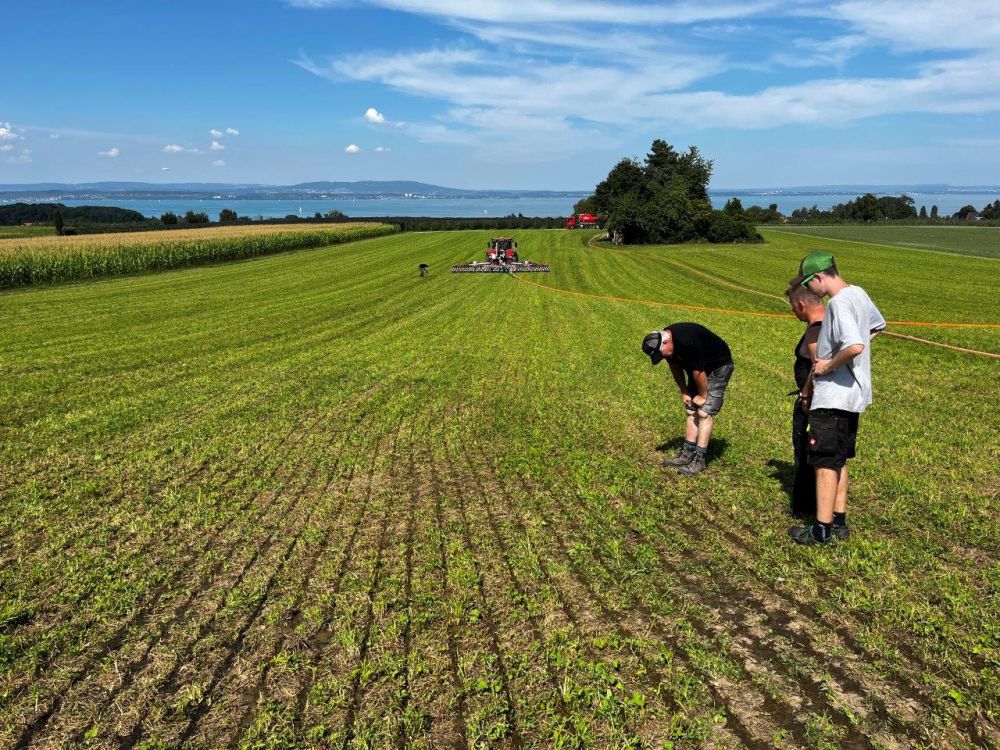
<point x="501" y="257"/>
<point x="583" y="221"/>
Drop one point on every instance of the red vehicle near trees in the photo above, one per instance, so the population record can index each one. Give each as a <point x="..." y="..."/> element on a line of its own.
<point x="583" y="221"/>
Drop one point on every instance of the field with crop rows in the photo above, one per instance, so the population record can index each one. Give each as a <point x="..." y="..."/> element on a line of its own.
<point x="314" y="500"/>
<point x="29" y="231"/>
<point x="32" y="259"/>
<point x="978" y="241"/>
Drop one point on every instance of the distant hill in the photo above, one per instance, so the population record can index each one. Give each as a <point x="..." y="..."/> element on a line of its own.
<point x="361" y="188"/>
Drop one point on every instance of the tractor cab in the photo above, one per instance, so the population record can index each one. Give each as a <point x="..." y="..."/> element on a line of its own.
<point x="501" y="250"/>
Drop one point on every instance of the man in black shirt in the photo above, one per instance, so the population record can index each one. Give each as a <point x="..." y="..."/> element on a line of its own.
<point x="702" y="365"/>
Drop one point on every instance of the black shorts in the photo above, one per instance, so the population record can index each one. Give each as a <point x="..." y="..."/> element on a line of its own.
<point x="832" y="437"/>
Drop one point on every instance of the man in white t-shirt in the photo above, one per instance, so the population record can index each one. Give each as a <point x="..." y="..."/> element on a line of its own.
<point x="842" y="390"/>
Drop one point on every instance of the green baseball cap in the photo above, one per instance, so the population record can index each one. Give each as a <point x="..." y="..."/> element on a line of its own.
<point x="815" y="262"/>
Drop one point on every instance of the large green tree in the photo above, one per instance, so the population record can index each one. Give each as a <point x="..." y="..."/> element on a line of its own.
<point x="664" y="199"/>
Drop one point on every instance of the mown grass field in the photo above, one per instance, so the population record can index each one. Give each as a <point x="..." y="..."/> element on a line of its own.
<point x="314" y="500"/>
<point x="977" y="241"/>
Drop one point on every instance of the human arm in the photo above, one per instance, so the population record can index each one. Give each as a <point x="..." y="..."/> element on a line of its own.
<point x="805" y="394"/>
<point x="841" y="358"/>
<point x="700" y="379"/>
<point x="678" y="374"/>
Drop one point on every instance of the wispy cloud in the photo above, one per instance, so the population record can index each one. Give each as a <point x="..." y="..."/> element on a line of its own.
<point x="218" y="163"/>
<point x="111" y="153"/>
<point x="216" y="146"/>
<point x="215" y="133"/>
<point x="536" y="74"/>
<point x="382" y="150"/>
<point x="7" y="133"/>
<point x="232" y="131"/>
<point x="173" y="148"/>
<point x="6" y="147"/>
<point x="24" y="157"/>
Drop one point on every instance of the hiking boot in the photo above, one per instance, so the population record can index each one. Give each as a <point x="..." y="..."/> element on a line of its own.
<point x="695" y="466"/>
<point x="804" y="535"/>
<point x="841" y="532"/>
<point x="683" y="458"/>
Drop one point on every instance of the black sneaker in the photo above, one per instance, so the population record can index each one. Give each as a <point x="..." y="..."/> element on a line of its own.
<point x="804" y="535"/>
<point x="841" y="532"/>
<point x="683" y="458"/>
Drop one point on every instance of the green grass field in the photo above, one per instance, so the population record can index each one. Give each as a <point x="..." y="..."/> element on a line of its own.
<point x="21" y="232"/>
<point x="313" y="500"/>
<point x="977" y="241"/>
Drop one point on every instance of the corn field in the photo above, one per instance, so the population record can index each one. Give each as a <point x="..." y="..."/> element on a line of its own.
<point x="38" y="260"/>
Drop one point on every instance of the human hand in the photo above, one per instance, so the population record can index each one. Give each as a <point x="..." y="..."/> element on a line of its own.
<point x="823" y="366"/>
<point x="804" y="405"/>
<point x="688" y="403"/>
<point x="698" y="401"/>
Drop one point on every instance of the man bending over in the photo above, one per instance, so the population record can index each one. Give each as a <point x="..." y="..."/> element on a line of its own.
<point x="702" y="365"/>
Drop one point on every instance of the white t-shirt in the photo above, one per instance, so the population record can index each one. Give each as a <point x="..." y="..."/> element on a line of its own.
<point x="850" y="318"/>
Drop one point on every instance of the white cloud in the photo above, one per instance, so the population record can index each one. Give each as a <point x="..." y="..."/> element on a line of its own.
<point x="22" y="158"/>
<point x="6" y="133"/>
<point x="353" y="148"/>
<point x="173" y="148"/>
<point x="551" y="11"/>
<point x="382" y="150"/>
<point x="6" y="147"/>
<point x="215" y="133"/>
<point x="111" y="153"/>
<point x="54" y="136"/>
<point x="216" y="146"/>
<point x="537" y="78"/>
<point x="218" y="163"/>
<point x="232" y="131"/>
<point x="164" y="169"/>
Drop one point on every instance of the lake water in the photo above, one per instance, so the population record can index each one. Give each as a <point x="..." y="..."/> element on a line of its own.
<point x="947" y="203"/>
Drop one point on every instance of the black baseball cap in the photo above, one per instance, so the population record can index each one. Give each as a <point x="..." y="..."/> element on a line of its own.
<point x="651" y="346"/>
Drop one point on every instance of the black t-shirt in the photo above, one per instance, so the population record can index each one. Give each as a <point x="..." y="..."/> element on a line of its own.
<point x="697" y="348"/>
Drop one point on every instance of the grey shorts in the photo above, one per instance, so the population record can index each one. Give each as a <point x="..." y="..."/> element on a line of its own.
<point x="718" y="379"/>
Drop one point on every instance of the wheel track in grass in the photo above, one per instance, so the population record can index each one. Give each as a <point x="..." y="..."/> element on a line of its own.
<point x="697" y="594"/>
<point x="140" y="616"/>
<point x="315" y="344"/>
<point x="323" y="547"/>
<point x="235" y="647"/>
<point x="136" y="668"/>
<point x="461" y="708"/>
<point x="486" y="609"/>
<point x="137" y="619"/>
<point x="356" y="689"/>
<point x="697" y="591"/>
<point x="320" y="636"/>
<point x="296" y="433"/>
<point x="666" y="700"/>
<point x="406" y="638"/>
<point x="908" y="687"/>
<point x="168" y="685"/>
<point x="614" y="621"/>
<point x="322" y="326"/>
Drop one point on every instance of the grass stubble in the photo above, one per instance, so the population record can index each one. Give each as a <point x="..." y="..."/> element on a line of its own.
<point x="372" y="510"/>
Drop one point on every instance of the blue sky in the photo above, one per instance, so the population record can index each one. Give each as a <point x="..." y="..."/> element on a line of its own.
<point x="485" y="93"/>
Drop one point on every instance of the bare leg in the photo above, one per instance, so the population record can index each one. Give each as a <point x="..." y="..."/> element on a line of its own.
<point x="691" y="429"/>
<point x="840" y="506"/>
<point x="704" y="422"/>
<point x="827" y="482"/>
